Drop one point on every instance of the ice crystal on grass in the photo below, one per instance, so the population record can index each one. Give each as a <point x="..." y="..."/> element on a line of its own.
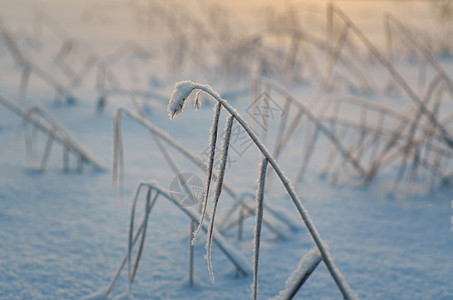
<point x="181" y="92"/>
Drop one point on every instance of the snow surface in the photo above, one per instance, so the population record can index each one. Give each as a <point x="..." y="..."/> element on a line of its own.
<point x="63" y="234"/>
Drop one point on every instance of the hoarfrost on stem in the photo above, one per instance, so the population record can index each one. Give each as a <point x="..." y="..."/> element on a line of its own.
<point x="305" y="264"/>
<point x="180" y="93"/>
<point x="258" y="224"/>
<point x="182" y="90"/>
<point x="212" y="143"/>
<point x="218" y="190"/>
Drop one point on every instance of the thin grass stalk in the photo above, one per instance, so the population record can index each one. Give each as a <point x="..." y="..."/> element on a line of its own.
<point x="118" y="156"/>
<point x="236" y="206"/>
<point x="28" y="141"/>
<point x="280" y="132"/>
<point x="362" y="144"/>
<point x="429" y="144"/>
<point x="132" y="271"/>
<point x="245" y="210"/>
<point x="131" y="232"/>
<point x="94" y="60"/>
<point x="291" y="129"/>
<point x="218" y="190"/>
<point x="66" y="161"/>
<point x="308" y="152"/>
<point x="355" y="146"/>
<point x="313" y="119"/>
<point x="424" y="50"/>
<point x="212" y="144"/>
<point x="333" y="57"/>
<point x="437" y="160"/>
<point x="333" y="154"/>
<point x="134" y="241"/>
<point x="395" y="136"/>
<point x="236" y="259"/>
<point x="377" y="136"/>
<point x="192" y="228"/>
<point x="48" y="148"/>
<point x="83" y="73"/>
<point x="180" y="94"/>
<point x="165" y="137"/>
<point x="23" y="61"/>
<point x="30" y="134"/>
<point x="312" y="64"/>
<point x="430" y="138"/>
<point x="421" y="76"/>
<point x="282" y="218"/>
<point x="34" y="141"/>
<point x="427" y="148"/>
<point x="251" y="211"/>
<point x="412" y="130"/>
<point x="329" y="30"/>
<point x="333" y="128"/>
<point x="389" y="45"/>
<point x="258" y="224"/>
<point x="240" y="223"/>
<point x="398" y="151"/>
<point x="234" y="223"/>
<point x="189" y="192"/>
<point x="391" y="69"/>
<point x="415" y="164"/>
<point x="142" y="240"/>
<point x="32" y="116"/>
<point x="363" y="122"/>
<point x="138" y="107"/>
<point x="25" y="77"/>
<point x="41" y="121"/>
<point x="307" y="265"/>
<point x="65" y="51"/>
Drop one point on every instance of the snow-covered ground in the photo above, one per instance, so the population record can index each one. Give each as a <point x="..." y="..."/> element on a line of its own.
<point x="64" y="234"/>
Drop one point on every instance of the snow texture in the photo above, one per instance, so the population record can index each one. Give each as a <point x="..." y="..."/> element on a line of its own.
<point x="63" y="235"/>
